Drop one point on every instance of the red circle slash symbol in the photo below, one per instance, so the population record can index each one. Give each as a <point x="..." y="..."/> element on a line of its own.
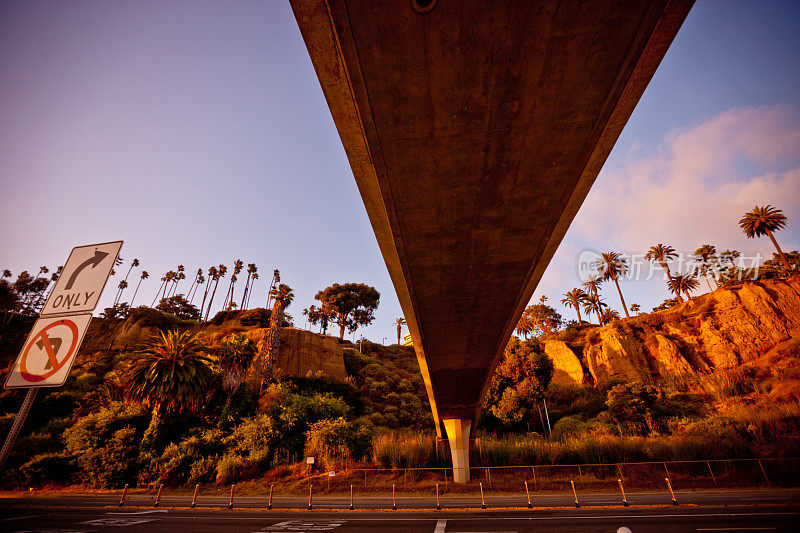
<point x="55" y="364"/>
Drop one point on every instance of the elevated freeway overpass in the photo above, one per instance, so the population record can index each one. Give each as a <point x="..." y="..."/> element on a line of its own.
<point x="475" y="130"/>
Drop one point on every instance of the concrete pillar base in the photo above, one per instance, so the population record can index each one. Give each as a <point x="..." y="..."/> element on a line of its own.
<point x="458" y="434"/>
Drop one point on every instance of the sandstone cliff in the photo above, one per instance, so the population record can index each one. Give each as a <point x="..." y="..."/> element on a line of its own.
<point x="727" y="328"/>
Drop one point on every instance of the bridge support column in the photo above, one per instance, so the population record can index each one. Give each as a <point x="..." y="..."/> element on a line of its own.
<point x="458" y="434"/>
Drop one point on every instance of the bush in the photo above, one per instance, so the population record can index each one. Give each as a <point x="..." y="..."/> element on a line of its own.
<point x="49" y="468"/>
<point x="107" y="444"/>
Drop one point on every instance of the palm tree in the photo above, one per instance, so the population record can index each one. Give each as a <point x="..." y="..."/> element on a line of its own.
<point x="705" y="255"/>
<point x="686" y="283"/>
<point x="593" y="303"/>
<point x="763" y="221"/>
<point x="164" y="281"/>
<point x="400" y="322"/>
<point x="592" y="286"/>
<point x="251" y="269"/>
<point x="121" y="287"/>
<point x="662" y="254"/>
<point x="612" y="266"/>
<point x="575" y="299"/>
<point x="250" y="293"/>
<point x="171" y="373"/>
<point x="607" y="316"/>
<point x="237" y="268"/>
<point x="221" y="271"/>
<point x="179" y="276"/>
<point x="283" y="297"/>
<point x="195" y="284"/>
<point x="144" y="275"/>
<point x="276" y="278"/>
<point x="212" y="274"/>
<point x="636" y="308"/>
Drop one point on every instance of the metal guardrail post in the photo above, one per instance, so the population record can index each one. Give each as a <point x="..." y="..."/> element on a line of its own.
<point x="230" y="503"/>
<point x="438" y="507"/>
<point x="671" y="493"/>
<point x="158" y="496"/>
<point x="310" y="495"/>
<point x="394" y="500"/>
<point x="622" y="490"/>
<point x="269" y="505"/>
<point x="351" y="497"/>
<point x="483" y="502"/>
<point x="124" y="493"/>
<point x="577" y="505"/>
<point x="527" y="492"/>
<point x="194" y="498"/>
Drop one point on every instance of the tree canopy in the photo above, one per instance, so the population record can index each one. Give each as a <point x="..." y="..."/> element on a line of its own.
<point x="351" y="304"/>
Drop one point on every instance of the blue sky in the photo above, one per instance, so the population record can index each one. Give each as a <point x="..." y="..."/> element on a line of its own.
<point x="197" y="132"/>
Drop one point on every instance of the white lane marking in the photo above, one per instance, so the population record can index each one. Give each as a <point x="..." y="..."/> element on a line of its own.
<point x="440" y="525"/>
<point x="21" y="517"/>
<point x="118" y="522"/>
<point x="737" y="528"/>
<point x="138" y="512"/>
<point x="301" y="525"/>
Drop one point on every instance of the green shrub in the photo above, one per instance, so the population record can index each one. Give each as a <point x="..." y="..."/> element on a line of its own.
<point x="49" y="468"/>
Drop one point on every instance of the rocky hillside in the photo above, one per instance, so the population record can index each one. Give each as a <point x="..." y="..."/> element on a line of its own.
<point x="753" y="324"/>
<point x="302" y="352"/>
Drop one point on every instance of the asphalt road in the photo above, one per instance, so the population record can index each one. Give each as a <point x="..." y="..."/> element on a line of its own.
<point x="722" y="511"/>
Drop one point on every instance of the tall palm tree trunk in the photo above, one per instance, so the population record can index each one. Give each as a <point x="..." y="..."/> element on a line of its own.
<point x="780" y="252"/>
<point x="705" y="275"/>
<point x="665" y="266"/>
<point x="624" y="307"/>
<point x="578" y="310"/>
<point x="134" y="292"/>
<point x="159" y="292"/>
<point x="211" y="300"/>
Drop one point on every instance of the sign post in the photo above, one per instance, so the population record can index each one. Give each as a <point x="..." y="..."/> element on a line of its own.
<point x="48" y="353"/>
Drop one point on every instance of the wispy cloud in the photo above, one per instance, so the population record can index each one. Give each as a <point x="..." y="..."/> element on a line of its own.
<point x="689" y="190"/>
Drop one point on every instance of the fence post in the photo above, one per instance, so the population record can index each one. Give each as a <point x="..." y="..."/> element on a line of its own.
<point x="194" y="498"/>
<point x="763" y="472"/>
<point x="483" y="502"/>
<point x="712" y="472"/>
<point x="124" y="493"/>
<point x="269" y="505"/>
<point x="624" y="500"/>
<point x="577" y="505"/>
<point x="438" y="507"/>
<point x="672" y="494"/>
<point x="310" y="493"/>
<point x="230" y="503"/>
<point x="158" y="496"/>
<point x="580" y="473"/>
<point x="394" y="500"/>
<point x="527" y="492"/>
<point x="351" y="497"/>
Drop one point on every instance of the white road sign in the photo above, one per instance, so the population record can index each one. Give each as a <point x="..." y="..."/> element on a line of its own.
<point x="48" y="353"/>
<point x="82" y="280"/>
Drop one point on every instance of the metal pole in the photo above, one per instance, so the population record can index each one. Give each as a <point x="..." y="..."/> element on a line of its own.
<point x="310" y="493"/>
<point x="438" y="507"/>
<point x="394" y="500"/>
<point x="351" y="497"/>
<point x="624" y="501"/>
<point x="194" y="499"/>
<point x="763" y="472"/>
<point x="269" y="505"/>
<point x="712" y="472"/>
<point x="230" y="503"/>
<point x="672" y="494"/>
<point x="527" y="492"/>
<point x="577" y="505"/>
<point x="124" y="493"/>
<point x="483" y="502"/>
<point x="17" y="425"/>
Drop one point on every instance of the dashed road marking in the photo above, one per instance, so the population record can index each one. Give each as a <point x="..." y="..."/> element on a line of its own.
<point x="119" y="522"/>
<point x="302" y="525"/>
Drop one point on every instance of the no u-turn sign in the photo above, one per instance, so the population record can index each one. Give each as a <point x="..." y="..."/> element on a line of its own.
<point x="48" y="353"/>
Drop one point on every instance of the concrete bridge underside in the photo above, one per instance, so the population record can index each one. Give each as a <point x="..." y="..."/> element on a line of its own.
<point x="474" y="130"/>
